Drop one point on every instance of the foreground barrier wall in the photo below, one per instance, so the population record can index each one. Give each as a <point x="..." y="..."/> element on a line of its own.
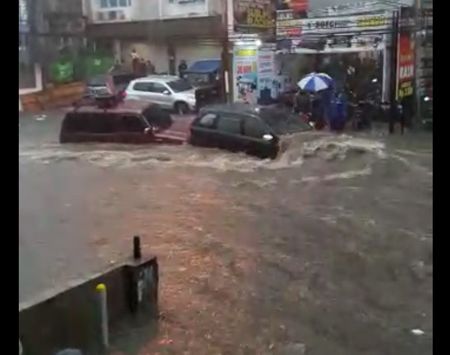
<point x="71" y="319"/>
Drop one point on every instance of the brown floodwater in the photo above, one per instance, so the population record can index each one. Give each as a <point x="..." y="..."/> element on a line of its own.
<point x="327" y="249"/>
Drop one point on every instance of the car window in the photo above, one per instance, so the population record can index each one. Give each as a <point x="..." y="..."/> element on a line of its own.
<point x="99" y="80"/>
<point x="142" y="86"/>
<point x="74" y="122"/>
<point x="100" y="123"/>
<point x="156" y="116"/>
<point x="122" y="79"/>
<point x="229" y="124"/>
<point x="254" y="128"/>
<point x="131" y="123"/>
<point x="180" y="85"/>
<point x="207" y="120"/>
<point x="157" y="88"/>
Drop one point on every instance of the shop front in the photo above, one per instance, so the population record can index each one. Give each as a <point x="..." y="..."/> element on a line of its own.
<point x="351" y="49"/>
<point x="253" y="74"/>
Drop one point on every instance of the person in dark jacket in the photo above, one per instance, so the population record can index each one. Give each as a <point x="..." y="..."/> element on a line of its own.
<point x="182" y="68"/>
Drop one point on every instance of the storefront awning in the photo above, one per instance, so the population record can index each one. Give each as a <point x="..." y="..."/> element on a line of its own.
<point x="204" y="66"/>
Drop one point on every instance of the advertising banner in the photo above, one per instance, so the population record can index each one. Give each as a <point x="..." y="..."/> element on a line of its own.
<point x="245" y="74"/>
<point x="267" y="84"/>
<point x="405" y="65"/>
<point x="253" y="15"/>
<point x="287" y="26"/>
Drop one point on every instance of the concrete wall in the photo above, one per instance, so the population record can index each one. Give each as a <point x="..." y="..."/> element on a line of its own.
<point x="38" y="85"/>
<point x="71" y="319"/>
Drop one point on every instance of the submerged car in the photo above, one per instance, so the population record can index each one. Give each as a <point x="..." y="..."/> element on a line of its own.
<point x="124" y="122"/>
<point x="255" y="130"/>
<point x="168" y="91"/>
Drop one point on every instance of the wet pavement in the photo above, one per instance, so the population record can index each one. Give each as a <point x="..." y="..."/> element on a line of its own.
<point x="326" y="250"/>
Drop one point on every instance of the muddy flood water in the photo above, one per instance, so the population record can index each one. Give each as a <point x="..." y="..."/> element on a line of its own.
<point x="326" y="250"/>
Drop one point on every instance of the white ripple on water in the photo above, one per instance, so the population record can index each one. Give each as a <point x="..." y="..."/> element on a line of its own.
<point x="301" y="147"/>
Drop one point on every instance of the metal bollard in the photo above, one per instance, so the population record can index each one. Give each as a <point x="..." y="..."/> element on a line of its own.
<point x="137" y="254"/>
<point x="101" y="291"/>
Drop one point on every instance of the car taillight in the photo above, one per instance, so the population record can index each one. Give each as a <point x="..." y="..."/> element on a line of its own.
<point x="122" y="95"/>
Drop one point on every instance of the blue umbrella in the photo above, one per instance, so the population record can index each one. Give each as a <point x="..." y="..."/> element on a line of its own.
<point x="315" y="82"/>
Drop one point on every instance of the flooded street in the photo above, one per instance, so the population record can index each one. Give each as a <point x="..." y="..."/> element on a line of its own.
<point x="326" y="250"/>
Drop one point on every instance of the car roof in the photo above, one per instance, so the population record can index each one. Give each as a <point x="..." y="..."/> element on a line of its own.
<point x="157" y="78"/>
<point x="238" y="107"/>
<point x="128" y="106"/>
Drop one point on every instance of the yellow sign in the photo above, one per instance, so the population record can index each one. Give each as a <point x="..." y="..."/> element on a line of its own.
<point x="257" y="17"/>
<point x="246" y="52"/>
<point x="405" y="90"/>
<point x="372" y="21"/>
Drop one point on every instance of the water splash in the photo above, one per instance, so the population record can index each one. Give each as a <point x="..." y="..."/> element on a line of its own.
<point x="302" y="147"/>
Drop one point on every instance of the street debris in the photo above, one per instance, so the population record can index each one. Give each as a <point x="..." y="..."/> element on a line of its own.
<point x="40" y="117"/>
<point x="417" y="332"/>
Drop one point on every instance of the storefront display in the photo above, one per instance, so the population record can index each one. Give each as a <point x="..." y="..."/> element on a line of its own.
<point x="245" y="74"/>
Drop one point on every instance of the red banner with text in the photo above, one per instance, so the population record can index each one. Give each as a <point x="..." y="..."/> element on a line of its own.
<point x="405" y="66"/>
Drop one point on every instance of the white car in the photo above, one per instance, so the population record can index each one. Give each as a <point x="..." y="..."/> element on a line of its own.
<point x="168" y="91"/>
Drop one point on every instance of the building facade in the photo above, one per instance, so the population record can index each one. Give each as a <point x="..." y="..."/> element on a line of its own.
<point x="46" y="27"/>
<point x="162" y="31"/>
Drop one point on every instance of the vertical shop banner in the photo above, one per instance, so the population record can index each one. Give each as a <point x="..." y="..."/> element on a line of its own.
<point x="245" y="75"/>
<point x="266" y="75"/>
<point x="253" y="15"/>
<point x="405" y="65"/>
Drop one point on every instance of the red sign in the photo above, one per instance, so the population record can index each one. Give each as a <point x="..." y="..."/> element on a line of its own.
<point x="405" y="72"/>
<point x="294" y="5"/>
<point x="298" y="5"/>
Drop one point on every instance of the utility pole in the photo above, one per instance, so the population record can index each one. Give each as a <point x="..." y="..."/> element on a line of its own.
<point x="226" y="60"/>
<point x="393" y="114"/>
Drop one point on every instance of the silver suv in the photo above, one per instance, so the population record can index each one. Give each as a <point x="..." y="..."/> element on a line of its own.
<point x="168" y="91"/>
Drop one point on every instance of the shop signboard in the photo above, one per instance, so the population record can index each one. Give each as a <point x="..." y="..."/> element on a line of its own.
<point x="245" y="74"/>
<point x="405" y="65"/>
<point x="290" y="27"/>
<point x="267" y="84"/>
<point x="297" y="6"/>
<point x="253" y="14"/>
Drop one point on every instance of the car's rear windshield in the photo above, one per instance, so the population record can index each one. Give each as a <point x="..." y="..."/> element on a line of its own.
<point x="180" y="85"/>
<point x="283" y="121"/>
<point x="99" y="80"/>
<point x="118" y="79"/>
<point x="122" y="79"/>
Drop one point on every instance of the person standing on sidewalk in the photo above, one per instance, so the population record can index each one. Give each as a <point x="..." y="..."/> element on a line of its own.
<point x="182" y="68"/>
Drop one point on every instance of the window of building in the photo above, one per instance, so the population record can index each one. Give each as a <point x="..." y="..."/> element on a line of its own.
<point x="105" y="4"/>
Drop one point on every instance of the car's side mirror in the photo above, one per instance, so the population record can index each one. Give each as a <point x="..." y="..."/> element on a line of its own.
<point x="148" y="130"/>
<point x="166" y="92"/>
<point x="267" y="137"/>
